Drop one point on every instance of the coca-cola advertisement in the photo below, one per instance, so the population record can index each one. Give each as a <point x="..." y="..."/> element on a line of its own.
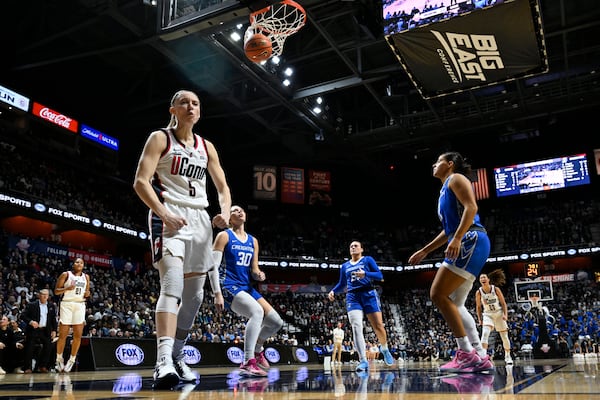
<point x="55" y="117"/>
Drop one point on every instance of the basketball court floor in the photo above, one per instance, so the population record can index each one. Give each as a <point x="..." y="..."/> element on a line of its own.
<point x="527" y="380"/>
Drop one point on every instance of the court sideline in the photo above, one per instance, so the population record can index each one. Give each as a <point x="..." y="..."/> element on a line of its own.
<point x="526" y="380"/>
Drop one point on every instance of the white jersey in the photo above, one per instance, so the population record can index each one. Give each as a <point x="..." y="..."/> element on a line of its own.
<point x="338" y="335"/>
<point x="180" y="176"/>
<point x="77" y="294"/>
<point x="490" y="301"/>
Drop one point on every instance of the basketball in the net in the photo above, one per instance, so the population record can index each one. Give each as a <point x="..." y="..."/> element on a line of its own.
<point x="258" y="48"/>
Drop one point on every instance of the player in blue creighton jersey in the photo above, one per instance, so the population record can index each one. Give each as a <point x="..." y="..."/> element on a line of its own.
<point x="171" y="180"/>
<point x="357" y="276"/>
<point x="467" y="249"/>
<point x="240" y="251"/>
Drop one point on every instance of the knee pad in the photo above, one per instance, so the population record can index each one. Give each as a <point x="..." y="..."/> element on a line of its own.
<point x="485" y="334"/>
<point x="273" y="320"/>
<point x="193" y="294"/>
<point x="171" y="276"/>
<point x="356" y="322"/>
<point x="167" y="303"/>
<point x="355" y="317"/>
<point x="460" y="295"/>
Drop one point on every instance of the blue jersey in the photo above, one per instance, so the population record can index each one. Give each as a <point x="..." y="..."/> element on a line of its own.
<point x="235" y="276"/>
<point x="475" y="244"/>
<point x="361" y="294"/>
<point x="450" y="211"/>
<point x="238" y="260"/>
<point x="352" y="282"/>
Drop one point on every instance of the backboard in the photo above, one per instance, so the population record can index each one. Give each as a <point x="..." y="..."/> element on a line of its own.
<point x="177" y="18"/>
<point x="540" y="288"/>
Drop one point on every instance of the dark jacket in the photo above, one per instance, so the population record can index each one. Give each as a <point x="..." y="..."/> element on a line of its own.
<point x="32" y="313"/>
<point x="7" y="336"/>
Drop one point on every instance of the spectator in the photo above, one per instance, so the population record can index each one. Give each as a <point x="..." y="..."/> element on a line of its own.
<point x="40" y="319"/>
<point x="9" y="344"/>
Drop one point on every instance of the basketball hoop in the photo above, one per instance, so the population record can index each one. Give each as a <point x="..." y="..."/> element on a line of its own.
<point x="534" y="300"/>
<point x="277" y="22"/>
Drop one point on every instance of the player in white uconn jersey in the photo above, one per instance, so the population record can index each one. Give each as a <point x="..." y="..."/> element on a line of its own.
<point x="74" y="286"/>
<point x="171" y="180"/>
<point x="492" y="311"/>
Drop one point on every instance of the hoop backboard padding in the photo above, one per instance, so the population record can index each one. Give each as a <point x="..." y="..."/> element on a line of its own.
<point x="179" y="18"/>
<point x="542" y="286"/>
<point x="277" y="22"/>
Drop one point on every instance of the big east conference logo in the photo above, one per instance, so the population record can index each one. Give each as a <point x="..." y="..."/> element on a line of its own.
<point x="467" y="57"/>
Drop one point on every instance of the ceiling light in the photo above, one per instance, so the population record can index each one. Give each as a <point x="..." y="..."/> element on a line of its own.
<point x="235" y="36"/>
<point x="275" y="60"/>
<point x="319" y="100"/>
<point x="288" y="71"/>
<point x="317" y="110"/>
<point x="286" y="82"/>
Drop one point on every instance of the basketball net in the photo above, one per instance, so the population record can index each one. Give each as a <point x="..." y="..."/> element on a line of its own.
<point x="535" y="302"/>
<point x="277" y="22"/>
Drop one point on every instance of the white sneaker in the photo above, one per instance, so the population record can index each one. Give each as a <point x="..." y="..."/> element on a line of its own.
<point x="165" y="376"/>
<point x="184" y="371"/>
<point x="2" y="371"/>
<point x="60" y="364"/>
<point x="69" y="365"/>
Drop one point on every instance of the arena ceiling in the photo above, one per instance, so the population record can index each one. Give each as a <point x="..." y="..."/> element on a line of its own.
<point x="103" y="62"/>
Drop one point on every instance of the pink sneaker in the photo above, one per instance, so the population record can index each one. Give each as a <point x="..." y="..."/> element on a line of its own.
<point x="261" y="360"/>
<point x="450" y="366"/>
<point x="485" y="365"/>
<point x="251" y="369"/>
<point x="468" y="363"/>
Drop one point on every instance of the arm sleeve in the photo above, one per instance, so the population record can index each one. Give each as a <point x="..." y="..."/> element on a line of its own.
<point x="342" y="282"/>
<point x="374" y="272"/>
<point x="213" y="274"/>
<point x="213" y="277"/>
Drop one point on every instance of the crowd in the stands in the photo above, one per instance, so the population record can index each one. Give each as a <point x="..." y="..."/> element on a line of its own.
<point x="122" y="300"/>
<point x="122" y="303"/>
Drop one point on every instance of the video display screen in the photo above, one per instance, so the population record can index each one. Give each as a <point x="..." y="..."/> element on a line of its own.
<point x="537" y="176"/>
<point x="401" y="15"/>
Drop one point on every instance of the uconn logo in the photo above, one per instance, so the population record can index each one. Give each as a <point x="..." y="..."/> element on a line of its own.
<point x="301" y="355"/>
<point x="272" y="355"/>
<point x="191" y="355"/>
<point x="129" y="354"/>
<point x="235" y="355"/>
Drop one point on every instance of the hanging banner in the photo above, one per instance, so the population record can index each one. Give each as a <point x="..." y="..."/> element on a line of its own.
<point x="292" y="185"/>
<point x="319" y="186"/>
<point x="265" y="182"/>
<point x="477" y="49"/>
